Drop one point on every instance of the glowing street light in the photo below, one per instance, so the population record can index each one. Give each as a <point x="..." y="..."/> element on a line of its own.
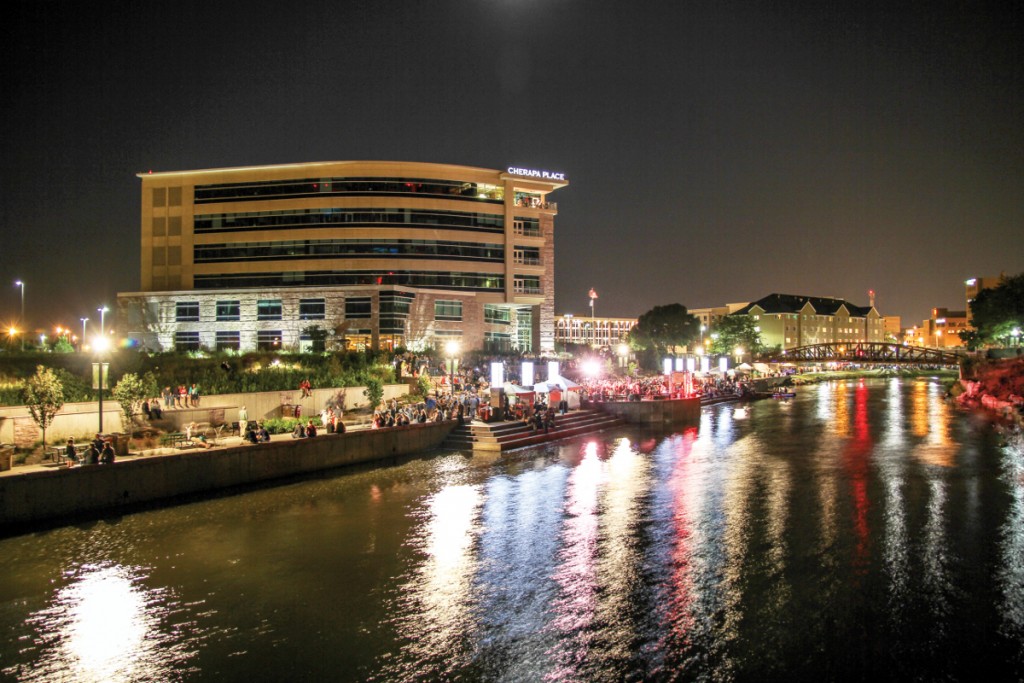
<point x="19" y="283"/>
<point x="84" y="321"/>
<point x="99" y="369"/>
<point x="102" y="311"/>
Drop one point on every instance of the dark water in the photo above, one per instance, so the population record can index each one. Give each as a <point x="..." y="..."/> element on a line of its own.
<point x="862" y="531"/>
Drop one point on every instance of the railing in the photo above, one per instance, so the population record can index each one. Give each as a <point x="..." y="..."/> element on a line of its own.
<point x="527" y="260"/>
<point x="527" y="204"/>
<point x="526" y="289"/>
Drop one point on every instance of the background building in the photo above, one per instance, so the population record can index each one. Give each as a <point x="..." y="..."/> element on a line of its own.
<point x="789" y="321"/>
<point x="596" y="332"/>
<point x="372" y="254"/>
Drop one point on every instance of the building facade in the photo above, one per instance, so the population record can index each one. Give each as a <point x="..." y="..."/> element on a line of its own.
<point x="789" y="321"/>
<point x="347" y="254"/>
<point x="594" y="332"/>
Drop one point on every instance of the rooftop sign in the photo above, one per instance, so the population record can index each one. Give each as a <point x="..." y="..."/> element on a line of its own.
<point x="534" y="173"/>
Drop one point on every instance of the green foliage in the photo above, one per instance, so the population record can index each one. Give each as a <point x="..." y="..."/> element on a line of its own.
<point x="130" y="392"/>
<point x="661" y="331"/>
<point x="996" y="313"/>
<point x="423" y="385"/>
<point x="733" y="332"/>
<point x="43" y="396"/>
<point x="374" y="391"/>
<point x="62" y="345"/>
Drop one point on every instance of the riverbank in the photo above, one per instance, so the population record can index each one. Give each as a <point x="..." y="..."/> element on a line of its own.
<point x="996" y="386"/>
<point x="41" y="494"/>
<point x="950" y="375"/>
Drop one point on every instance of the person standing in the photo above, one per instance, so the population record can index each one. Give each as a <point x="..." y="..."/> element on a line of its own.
<point x="71" y="452"/>
<point x="107" y="456"/>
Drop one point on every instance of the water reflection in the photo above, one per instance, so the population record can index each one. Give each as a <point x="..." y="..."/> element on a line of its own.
<point x="105" y="625"/>
<point x="863" y="530"/>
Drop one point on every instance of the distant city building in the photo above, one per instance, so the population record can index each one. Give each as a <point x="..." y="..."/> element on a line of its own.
<point x="943" y="329"/>
<point x="893" y="329"/>
<point x="376" y="254"/>
<point x="709" y="317"/>
<point x="789" y="321"/>
<point x="973" y="287"/>
<point x="596" y="332"/>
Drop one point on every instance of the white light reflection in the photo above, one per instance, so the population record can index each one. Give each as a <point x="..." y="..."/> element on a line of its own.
<point x="105" y="627"/>
<point x="575" y="608"/>
<point x="438" y="597"/>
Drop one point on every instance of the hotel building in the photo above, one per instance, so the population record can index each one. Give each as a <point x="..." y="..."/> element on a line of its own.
<point x="367" y="254"/>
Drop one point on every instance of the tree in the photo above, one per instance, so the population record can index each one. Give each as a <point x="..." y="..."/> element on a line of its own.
<point x="130" y="392"/>
<point x="374" y="391"/>
<point x="661" y="331"/>
<point x="736" y="332"/>
<point x="44" y="397"/>
<point x="317" y="336"/>
<point x="996" y="313"/>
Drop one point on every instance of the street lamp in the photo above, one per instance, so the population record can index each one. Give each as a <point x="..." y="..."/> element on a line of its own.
<point x="84" y="321"/>
<point x="451" y="350"/>
<point x="102" y="312"/>
<point x="101" y="344"/>
<point x="19" y="283"/>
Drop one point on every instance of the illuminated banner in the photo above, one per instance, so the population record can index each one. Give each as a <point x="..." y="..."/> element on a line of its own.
<point x="534" y="173"/>
<point x="527" y="373"/>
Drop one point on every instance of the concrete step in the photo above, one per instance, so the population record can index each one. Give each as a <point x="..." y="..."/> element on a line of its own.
<point x="508" y="435"/>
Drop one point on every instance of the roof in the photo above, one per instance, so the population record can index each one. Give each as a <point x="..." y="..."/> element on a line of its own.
<point x="794" y="303"/>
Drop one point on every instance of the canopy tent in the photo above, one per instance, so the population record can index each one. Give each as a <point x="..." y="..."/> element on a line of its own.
<point x="566" y="388"/>
<point x="516" y="390"/>
<point x="744" y="367"/>
<point x="761" y="367"/>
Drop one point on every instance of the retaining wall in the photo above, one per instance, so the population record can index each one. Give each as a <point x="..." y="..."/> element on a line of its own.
<point x="62" y="492"/>
<point x="676" y="411"/>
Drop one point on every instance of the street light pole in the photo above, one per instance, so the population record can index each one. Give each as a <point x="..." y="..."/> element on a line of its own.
<point x="84" y="321"/>
<point x="21" y="284"/>
<point x="102" y="312"/>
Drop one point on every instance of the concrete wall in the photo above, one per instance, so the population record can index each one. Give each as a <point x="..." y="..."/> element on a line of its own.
<point x="679" y="411"/>
<point x="82" y="419"/>
<point x="61" y="492"/>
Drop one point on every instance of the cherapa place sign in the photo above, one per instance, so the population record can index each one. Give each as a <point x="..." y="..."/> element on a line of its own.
<point x="534" y="173"/>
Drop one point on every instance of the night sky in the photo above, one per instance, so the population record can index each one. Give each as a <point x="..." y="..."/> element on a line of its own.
<point x="716" y="151"/>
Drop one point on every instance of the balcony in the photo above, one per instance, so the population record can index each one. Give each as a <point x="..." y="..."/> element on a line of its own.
<point x="521" y="260"/>
<point x="520" y="230"/>
<point x="523" y="288"/>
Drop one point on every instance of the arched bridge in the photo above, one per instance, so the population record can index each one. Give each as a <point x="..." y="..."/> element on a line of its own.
<point x="866" y="352"/>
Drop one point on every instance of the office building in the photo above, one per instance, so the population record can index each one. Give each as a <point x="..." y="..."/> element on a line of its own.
<point x="348" y="254"/>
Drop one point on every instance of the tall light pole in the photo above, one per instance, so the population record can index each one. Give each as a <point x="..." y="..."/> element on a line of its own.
<point x="84" y="321"/>
<point x="21" y="284"/>
<point x="102" y="311"/>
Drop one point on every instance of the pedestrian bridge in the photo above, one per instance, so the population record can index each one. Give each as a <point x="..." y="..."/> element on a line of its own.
<point x="867" y="352"/>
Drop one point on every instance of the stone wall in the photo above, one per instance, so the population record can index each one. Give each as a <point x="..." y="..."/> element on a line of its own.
<point x="88" y="491"/>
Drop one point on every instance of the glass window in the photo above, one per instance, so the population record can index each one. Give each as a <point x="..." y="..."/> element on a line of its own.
<point x="268" y="340"/>
<point x="448" y="310"/>
<point x="174" y="196"/>
<point x="229" y="341"/>
<point x="497" y="315"/>
<point x="186" y="312"/>
<point x="186" y="341"/>
<point x="159" y="196"/>
<point x="312" y="309"/>
<point x="268" y="309"/>
<point x="357" y="307"/>
<point x="228" y="310"/>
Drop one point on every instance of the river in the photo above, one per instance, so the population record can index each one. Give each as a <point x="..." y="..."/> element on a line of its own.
<point x="863" y="530"/>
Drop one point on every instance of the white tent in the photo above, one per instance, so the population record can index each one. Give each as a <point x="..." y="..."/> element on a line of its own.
<point x="570" y="390"/>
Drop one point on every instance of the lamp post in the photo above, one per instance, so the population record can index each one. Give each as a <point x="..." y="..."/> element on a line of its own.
<point x="99" y="368"/>
<point x="19" y="283"/>
<point x="84" y="321"/>
<point x="102" y="311"/>
<point x="451" y="350"/>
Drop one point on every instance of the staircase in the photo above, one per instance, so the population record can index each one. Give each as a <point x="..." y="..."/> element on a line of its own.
<point x="504" y="436"/>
